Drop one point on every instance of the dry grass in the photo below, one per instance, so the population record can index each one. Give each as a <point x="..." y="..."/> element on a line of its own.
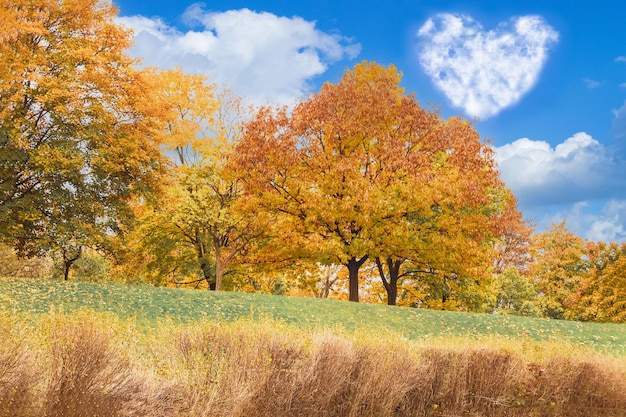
<point x="89" y="364"/>
<point x="18" y="376"/>
<point x="88" y="375"/>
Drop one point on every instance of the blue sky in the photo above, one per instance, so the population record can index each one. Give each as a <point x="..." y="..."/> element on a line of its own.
<point x="545" y="79"/>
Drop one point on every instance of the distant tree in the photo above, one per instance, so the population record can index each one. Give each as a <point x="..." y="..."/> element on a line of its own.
<point x="601" y="296"/>
<point x="559" y="265"/>
<point x="512" y="248"/>
<point x="318" y="280"/>
<point x="516" y="294"/>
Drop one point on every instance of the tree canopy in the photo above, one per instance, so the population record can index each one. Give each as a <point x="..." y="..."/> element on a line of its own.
<point x="79" y="141"/>
<point x="360" y="171"/>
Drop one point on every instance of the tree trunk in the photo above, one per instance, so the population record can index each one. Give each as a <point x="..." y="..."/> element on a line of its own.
<point x="354" y="265"/>
<point x="207" y="273"/>
<point x="391" y="284"/>
<point x="392" y="294"/>
<point x="205" y="265"/>
<point x="219" y="267"/>
<point x="66" y="271"/>
<point x="69" y="261"/>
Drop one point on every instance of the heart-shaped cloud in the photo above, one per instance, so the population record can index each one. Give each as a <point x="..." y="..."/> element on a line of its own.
<point x="480" y="71"/>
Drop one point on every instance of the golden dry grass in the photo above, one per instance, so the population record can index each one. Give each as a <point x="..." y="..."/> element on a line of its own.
<point x="92" y="364"/>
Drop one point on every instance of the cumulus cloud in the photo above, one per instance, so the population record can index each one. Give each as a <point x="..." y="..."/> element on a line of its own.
<point x="264" y="57"/>
<point x="578" y="169"/>
<point x="620" y="59"/>
<point x="483" y="72"/>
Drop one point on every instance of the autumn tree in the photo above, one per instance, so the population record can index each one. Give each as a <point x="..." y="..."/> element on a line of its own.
<point x="516" y="294"/>
<point x="193" y="234"/>
<point x="361" y="172"/>
<point x="512" y="248"/>
<point x="79" y="137"/>
<point x="601" y="295"/>
<point x="448" y="244"/>
<point x="190" y="104"/>
<point x="559" y="265"/>
<point x="313" y="166"/>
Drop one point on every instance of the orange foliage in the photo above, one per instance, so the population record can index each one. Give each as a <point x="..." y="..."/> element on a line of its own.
<point x="360" y="171"/>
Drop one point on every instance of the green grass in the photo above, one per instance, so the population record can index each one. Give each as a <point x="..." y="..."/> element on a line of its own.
<point x="150" y="306"/>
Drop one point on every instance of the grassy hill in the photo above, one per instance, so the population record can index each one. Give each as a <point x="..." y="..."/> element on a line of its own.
<point x="150" y="306"/>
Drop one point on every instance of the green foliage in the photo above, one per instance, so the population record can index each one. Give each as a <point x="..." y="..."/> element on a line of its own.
<point x="439" y="291"/>
<point x="90" y="267"/>
<point x="516" y="294"/>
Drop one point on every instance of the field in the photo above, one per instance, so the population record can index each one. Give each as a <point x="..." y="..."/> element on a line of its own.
<point x="150" y="305"/>
<point x="84" y="349"/>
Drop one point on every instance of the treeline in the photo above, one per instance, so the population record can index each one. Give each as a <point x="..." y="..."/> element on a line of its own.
<point x="158" y="176"/>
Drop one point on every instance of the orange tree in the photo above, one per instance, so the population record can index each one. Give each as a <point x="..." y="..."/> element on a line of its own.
<point x="446" y="248"/>
<point x="79" y="139"/>
<point x="361" y="172"/>
<point x="512" y="249"/>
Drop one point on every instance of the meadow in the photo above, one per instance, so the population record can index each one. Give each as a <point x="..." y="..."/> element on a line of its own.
<point x="152" y="305"/>
<point x="96" y="349"/>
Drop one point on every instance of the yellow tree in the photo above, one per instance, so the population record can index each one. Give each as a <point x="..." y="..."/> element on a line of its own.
<point x="360" y="172"/>
<point x="601" y="296"/>
<point x="79" y="137"/>
<point x="559" y="265"/>
<point x="194" y="223"/>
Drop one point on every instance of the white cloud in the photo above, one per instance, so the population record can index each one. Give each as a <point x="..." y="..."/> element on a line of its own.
<point x="591" y="84"/>
<point x="578" y="169"/>
<point x="264" y="57"/>
<point x="605" y="224"/>
<point x="620" y="59"/>
<point x="619" y="122"/>
<point x="609" y="225"/>
<point x="480" y="71"/>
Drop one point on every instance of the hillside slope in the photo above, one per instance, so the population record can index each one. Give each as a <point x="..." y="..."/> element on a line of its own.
<point x="150" y="305"/>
